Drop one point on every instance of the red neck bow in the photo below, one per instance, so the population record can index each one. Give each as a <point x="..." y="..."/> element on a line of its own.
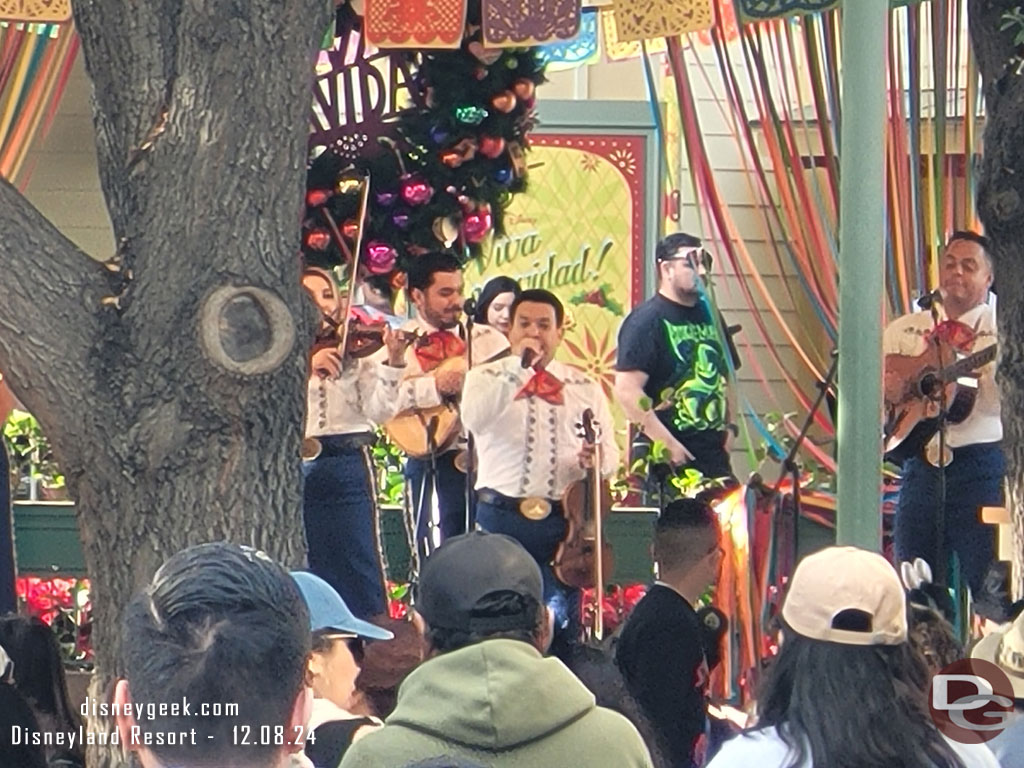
<point x="438" y="347"/>
<point x="544" y="385"/>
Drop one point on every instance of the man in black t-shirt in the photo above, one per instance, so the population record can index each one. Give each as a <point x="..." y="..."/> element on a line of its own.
<point x="673" y="376"/>
<point x="663" y="650"/>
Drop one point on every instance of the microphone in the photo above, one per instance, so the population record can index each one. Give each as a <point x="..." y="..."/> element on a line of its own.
<point x="527" y="357"/>
<point x="930" y="299"/>
<point x="469" y="307"/>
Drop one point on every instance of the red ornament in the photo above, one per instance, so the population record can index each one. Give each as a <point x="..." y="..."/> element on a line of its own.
<point x="415" y="190"/>
<point x="504" y="102"/>
<point x="318" y="239"/>
<point x="350" y="229"/>
<point x="477" y="224"/>
<point x="317" y="197"/>
<point x="492" y="146"/>
<point x="380" y="257"/>
<point x="524" y="88"/>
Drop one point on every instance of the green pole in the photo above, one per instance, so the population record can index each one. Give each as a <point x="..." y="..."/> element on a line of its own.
<point x="861" y="270"/>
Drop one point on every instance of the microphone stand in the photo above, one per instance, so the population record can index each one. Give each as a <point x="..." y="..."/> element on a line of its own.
<point x="941" y="566"/>
<point x="469" y="309"/>
<point x="790" y="466"/>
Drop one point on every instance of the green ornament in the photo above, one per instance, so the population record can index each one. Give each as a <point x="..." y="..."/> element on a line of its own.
<point x="470" y="115"/>
<point x="511" y="62"/>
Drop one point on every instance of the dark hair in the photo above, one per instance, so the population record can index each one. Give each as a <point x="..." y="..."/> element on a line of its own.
<point x="682" y="531"/>
<point x="852" y="706"/>
<point x="421" y="269"/>
<point x="540" y="296"/>
<point x="505" y="605"/>
<point x="219" y="623"/>
<point x="668" y="246"/>
<point x="932" y="636"/>
<point x="381" y="284"/>
<point x="976" y="238"/>
<point x="16" y="716"/>
<point x="596" y="669"/>
<point x="444" y="761"/>
<point x="494" y="288"/>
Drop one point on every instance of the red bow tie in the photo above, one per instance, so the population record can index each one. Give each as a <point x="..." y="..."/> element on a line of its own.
<point x="438" y="347"/>
<point x="545" y="386"/>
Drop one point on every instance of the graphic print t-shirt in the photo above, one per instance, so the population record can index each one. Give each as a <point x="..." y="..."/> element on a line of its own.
<point x="680" y="350"/>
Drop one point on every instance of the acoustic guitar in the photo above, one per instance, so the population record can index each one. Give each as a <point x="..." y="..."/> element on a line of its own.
<point x="915" y="386"/>
<point x="415" y="429"/>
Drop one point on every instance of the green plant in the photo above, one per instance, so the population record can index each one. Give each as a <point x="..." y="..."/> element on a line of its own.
<point x="30" y="451"/>
<point x="1014" y="20"/>
<point x="819" y="477"/>
<point x="387" y="461"/>
<point x="681" y="482"/>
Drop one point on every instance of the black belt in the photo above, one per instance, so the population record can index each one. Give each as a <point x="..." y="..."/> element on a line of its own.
<point x="495" y="499"/>
<point x="342" y="445"/>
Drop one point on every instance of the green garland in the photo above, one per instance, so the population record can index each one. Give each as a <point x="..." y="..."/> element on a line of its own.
<point x="444" y="183"/>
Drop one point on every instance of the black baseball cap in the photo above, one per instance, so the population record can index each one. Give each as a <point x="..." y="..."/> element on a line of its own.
<point x="466" y="569"/>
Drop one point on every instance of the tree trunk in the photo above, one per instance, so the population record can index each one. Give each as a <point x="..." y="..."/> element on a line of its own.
<point x="1000" y="205"/>
<point x="171" y="380"/>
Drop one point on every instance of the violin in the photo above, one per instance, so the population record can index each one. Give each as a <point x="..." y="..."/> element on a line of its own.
<point x="585" y="557"/>
<point x="362" y="339"/>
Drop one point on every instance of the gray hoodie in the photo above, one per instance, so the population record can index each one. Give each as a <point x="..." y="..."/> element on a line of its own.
<point x="501" y="704"/>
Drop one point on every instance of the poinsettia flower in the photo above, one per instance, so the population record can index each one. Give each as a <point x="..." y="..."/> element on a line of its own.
<point x="596" y="357"/>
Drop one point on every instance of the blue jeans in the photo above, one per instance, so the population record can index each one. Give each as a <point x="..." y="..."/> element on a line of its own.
<point x="973" y="480"/>
<point x="340" y="513"/>
<point x="541" y="539"/>
<point x="451" y="498"/>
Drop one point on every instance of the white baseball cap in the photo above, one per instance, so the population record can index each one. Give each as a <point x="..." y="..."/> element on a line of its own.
<point x="838" y="580"/>
<point x="1005" y="649"/>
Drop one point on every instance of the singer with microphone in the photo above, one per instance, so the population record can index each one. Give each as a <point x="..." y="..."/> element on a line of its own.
<point x="958" y="316"/>
<point x="522" y="411"/>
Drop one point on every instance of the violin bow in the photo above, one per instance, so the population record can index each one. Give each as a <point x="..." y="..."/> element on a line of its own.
<point x="353" y="275"/>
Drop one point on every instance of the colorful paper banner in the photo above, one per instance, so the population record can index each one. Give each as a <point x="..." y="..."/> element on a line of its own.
<point x="35" y="10"/>
<point x="572" y="53"/>
<point x="650" y="19"/>
<point x="513" y="23"/>
<point x="616" y="49"/>
<point x="415" y="23"/>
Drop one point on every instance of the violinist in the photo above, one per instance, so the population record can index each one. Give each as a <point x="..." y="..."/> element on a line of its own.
<point x="346" y="398"/>
<point x="522" y="411"/>
<point x="435" y="369"/>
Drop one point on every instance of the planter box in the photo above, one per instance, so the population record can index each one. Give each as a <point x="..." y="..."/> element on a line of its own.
<point x="46" y="537"/>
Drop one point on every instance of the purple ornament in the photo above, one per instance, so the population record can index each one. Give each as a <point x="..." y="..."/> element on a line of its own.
<point x="438" y="135"/>
<point x="380" y="257"/>
<point x="400" y="219"/>
<point x="386" y="199"/>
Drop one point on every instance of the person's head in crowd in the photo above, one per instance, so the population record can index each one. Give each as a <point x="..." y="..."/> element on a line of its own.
<point x="847" y="689"/>
<point x="931" y="611"/>
<point x="538" y="321"/>
<point x="338" y="639"/>
<point x="218" y="624"/>
<point x="39" y="676"/>
<point x="686" y="546"/>
<point x="494" y="307"/>
<point x="1005" y="649"/>
<point x="596" y="669"/>
<point x="682" y="263"/>
<point x="16" y="717"/>
<point x="378" y="293"/>
<point x="435" y="287"/>
<point x="481" y="586"/>
<point x="966" y="271"/>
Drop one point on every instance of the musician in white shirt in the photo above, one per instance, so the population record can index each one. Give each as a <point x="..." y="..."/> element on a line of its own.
<point x="522" y="411"/>
<point x="960" y="315"/>
<point x="346" y="398"/>
<point x="434" y="373"/>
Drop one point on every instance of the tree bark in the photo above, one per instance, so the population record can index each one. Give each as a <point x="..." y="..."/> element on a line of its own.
<point x="171" y="380"/>
<point x="1000" y="205"/>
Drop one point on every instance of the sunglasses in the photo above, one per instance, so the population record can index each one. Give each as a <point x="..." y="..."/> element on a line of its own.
<point x="356" y="645"/>
<point x="694" y="256"/>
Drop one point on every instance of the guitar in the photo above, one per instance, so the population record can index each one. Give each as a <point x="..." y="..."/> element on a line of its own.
<point x="584" y="558"/>
<point x="915" y="386"/>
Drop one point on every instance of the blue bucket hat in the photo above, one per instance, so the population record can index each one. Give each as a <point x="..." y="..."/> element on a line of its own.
<point x="328" y="611"/>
